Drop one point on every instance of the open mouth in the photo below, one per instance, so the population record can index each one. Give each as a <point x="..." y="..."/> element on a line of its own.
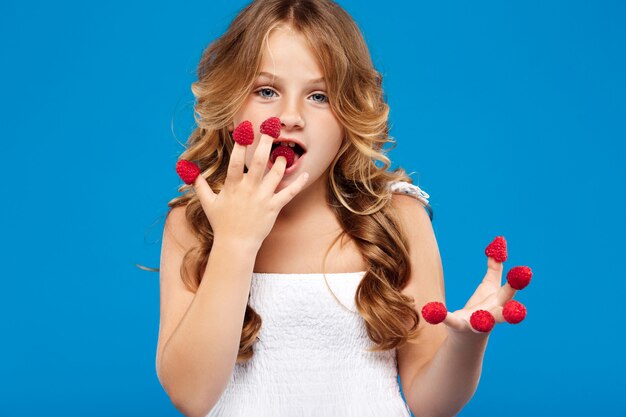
<point x="292" y="152"/>
<point x="297" y="149"/>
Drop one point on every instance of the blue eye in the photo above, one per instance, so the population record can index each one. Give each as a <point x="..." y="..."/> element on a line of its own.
<point x="325" y="98"/>
<point x="264" y="89"/>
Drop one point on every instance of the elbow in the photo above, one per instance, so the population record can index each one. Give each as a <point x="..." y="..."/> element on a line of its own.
<point x="188" y="406"/>
<point x="182" y="404"/>
<point x="191" y="410"/>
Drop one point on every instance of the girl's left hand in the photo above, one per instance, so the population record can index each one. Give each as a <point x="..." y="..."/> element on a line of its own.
<point x="489" y="297"/>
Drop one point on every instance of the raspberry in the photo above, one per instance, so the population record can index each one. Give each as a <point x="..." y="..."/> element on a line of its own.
<point x="497" y="249"/>
<point x="519" y="277"/>
<point x="513" y="311"/>
<point x="271" y="127"/>
<point x="243" y="134"/>
<point x="434" y="312"/>
<point x="482" y="320"/>
<point x="187" y="170"/>
<point x="285" y="151"/>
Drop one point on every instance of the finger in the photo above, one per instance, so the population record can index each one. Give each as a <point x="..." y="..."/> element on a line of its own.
<point x="204" y="192"/>
<point x="514" y="312"/>
<point x="496" y="312"/>
<point x="261" y="155"/>
<point x="285" y="196"/>
<point x="482" y="321"/>
<point x="455" y="322"/>
<point x="236" y="164"/>
<point x="493" y="276"/>
<point x="505" y="293"/>
<point x="519" y="277"/>
<point x="273" y="178"/>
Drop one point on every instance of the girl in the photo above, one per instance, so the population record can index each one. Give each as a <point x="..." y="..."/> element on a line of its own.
<point x="292" y="273"/>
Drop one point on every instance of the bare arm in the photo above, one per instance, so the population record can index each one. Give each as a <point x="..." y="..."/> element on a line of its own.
<point x="441" y="370"/>
<point x="448" y="382"/>
<point x="199" y="357"/>
<point x="196" y="362"/>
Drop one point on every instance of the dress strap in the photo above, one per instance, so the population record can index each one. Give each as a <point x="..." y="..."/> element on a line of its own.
<point x="413" y="190"/>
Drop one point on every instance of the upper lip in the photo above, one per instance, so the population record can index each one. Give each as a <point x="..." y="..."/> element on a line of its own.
<point x="283" y="139"/>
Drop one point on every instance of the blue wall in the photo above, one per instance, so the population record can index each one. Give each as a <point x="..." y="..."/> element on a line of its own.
<point x="511" y="115"/>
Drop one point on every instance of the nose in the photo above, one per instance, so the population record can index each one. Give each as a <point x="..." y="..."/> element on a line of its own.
<point x="291" y="117"/>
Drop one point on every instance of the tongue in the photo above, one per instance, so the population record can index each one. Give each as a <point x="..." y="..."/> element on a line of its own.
<point x="285" y="151"/>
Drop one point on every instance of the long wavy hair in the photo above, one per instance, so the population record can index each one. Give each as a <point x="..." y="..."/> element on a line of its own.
<point x="358" y="188"/>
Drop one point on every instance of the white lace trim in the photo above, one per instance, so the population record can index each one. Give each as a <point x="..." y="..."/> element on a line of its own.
<point x="404" y="187"/>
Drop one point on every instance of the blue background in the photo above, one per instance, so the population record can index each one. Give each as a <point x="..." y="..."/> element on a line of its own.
<point x="511" y="115"/>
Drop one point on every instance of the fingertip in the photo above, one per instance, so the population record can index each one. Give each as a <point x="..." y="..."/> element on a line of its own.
<point x="482" y="321"/>
<point x="434" y="312"/>
<point x="282" y="159"/>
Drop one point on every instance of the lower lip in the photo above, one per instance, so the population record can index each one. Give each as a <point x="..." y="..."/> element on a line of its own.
<point x="291" y="169"/>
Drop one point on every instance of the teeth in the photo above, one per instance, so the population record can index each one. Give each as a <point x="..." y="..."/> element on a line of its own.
<point x="290" y="144"/>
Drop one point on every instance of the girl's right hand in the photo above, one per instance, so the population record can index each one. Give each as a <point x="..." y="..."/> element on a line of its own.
<point x="246" y="208"/>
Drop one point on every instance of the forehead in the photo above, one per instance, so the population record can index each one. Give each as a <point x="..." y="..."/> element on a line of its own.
<point x="287" y="52"/>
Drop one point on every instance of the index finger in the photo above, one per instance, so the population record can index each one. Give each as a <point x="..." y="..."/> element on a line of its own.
<point x="236" y="164"/>
<point x="261" y="155"/>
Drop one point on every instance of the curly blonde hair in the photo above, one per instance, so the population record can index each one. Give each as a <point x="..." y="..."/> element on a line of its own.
<point x="358" y="189"/>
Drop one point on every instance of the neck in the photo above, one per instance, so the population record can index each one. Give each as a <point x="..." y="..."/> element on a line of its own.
<point x="307" y="205"/>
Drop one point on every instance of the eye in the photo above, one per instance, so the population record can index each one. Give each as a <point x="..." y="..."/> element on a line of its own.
<point x="260" y="90"/>
<point x="324" y="97"/>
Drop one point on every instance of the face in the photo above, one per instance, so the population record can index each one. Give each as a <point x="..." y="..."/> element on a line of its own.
<point x="289" y="93"/>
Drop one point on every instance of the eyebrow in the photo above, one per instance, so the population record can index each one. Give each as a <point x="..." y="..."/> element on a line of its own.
<point x="310" y="82"/>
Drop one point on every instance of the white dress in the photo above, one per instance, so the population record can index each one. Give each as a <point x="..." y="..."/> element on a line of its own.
<point x="310" y="358"/>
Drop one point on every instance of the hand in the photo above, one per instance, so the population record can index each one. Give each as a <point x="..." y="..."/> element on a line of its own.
<point x="246" y="208"/>
<point x="490" y="303"/>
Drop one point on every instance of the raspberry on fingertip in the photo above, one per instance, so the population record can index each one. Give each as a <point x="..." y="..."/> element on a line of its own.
<point x="434" y="312"/>
<point x="187" y="170"/>
<point x="513" y="311"/>
<point x="271" y="127"/>
<point x="244" y="134"/>
<point x="482" y="320"/>
<point x="519" y="277"/>
<point x="497" y="249"/>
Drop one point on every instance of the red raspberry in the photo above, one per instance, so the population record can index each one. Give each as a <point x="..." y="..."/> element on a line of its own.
<point x="434" y="312"/>
<point x="497" y="249"/>
<point x="519" y="277"/>
<point x="285" y="151"/>
<point x="513" y="311"/>
<point x="243" y="134"/>
<point x="271" y="127"/>
<point x="482" y="320"/>
<point x="187" y="170"/>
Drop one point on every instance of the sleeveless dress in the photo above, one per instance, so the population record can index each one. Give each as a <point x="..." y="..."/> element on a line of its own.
<point x="310" y="358"/>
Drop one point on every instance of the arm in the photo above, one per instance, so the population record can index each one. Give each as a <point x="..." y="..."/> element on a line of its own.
<point x="197" y="360"/>
<point x="446" y="383"/>
<point x="440" y="370"/>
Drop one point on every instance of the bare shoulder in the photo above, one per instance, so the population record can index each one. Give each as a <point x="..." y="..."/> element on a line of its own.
<point x="416" y="224"/>
<point x="426" y="267"/>
<point x="177" y="230"/>
<point x="410" y="210"/>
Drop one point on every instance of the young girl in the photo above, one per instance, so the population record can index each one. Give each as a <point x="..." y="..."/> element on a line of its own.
<point x="292" y="273"/>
